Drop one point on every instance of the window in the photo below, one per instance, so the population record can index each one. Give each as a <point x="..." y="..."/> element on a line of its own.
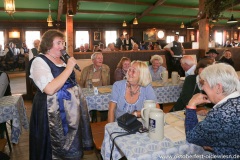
<point x="30" y="37"/>
<point x="2" y="39"/>
<point x="171" y="38"/>
<point x="82" y="37"/>
<point x="181" y="39"/>
<point x="219" y="38"/>
<point x="111" y="37"/>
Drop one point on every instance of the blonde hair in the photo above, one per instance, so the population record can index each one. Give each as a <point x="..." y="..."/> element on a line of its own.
<point x="145" y="77"/>
<point x="156" y="57"/>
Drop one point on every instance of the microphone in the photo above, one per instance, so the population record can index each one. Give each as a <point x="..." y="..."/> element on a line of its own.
<point x="66" y="56"/>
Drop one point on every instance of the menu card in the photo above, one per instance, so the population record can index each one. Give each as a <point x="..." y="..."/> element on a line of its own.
<point x="169" y="118"/>
<point x="104" y="90"/>
<point x="156" y="84"/>
<point x="173" y="133"/>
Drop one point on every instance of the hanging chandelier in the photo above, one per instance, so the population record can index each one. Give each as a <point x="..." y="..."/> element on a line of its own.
<point x="124" y="24"/>
<point x="135" y="21"/>
<point x="49" y="19"/>
<point x="9" y="6"/>
<point x="182" y="25"/>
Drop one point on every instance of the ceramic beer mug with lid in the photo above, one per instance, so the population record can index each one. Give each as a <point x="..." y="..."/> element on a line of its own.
<point x="175" y="77"/>
<point x="156" y="124"/>
<point x="147" y="106"/>
<point x="164" y="76"/>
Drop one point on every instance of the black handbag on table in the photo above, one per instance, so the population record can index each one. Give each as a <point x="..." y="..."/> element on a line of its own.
<point x="129" y="123"/>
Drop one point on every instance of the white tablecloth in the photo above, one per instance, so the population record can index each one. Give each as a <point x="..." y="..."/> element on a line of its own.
<point x="12" y="108"/>
<point x="140" y="147"/>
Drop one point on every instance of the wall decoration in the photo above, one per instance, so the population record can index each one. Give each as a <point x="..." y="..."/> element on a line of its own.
<point x="161" y="34"/>
<point x="97" y="36"/>
<point x="235" y="35"/>
<point x="149" y="35"/>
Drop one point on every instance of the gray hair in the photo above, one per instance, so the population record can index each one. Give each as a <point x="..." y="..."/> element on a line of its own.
<point x="189" y="60"/>
<point x="156" y="57"/>
<point x="223" y="74"/>
<point x="94" y="55"/>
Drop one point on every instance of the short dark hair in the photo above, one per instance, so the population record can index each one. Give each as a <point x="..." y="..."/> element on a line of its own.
<point x="202" y="64"/>
<point x="47" y="40"/>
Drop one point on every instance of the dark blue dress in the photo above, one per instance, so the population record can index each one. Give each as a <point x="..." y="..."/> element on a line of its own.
<point x="59" y="124"/>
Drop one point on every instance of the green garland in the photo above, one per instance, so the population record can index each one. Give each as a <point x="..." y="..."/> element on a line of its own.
<point x="213" y="8"/>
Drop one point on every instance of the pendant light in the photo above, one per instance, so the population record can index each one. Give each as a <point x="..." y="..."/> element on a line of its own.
<point x="135" y="21"/>
<point x="70" y="9"/>
<point x="49" y="19"/>
<point x="70" y="13"/>
<point x="9" y="6"/>
<point x="50" y="24"/>
<point x="182" y="24"/>
<point x="232" y="19"/>
<point x="190" y="27"/>
<point x="214" y="20"/>
<point x="124" y="24"/>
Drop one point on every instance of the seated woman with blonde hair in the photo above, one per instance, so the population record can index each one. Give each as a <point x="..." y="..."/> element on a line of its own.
<point x="129" y="95"/>
<point x="156" y="68"/>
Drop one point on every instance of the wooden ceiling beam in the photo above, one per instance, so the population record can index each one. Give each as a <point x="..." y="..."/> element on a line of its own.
<point x="180" y="6"/>
<point x="149" y="9"/>
<point x="132" y="13"/>
<point x="119" y="1"/>
<point x="60" y="10"/>
<point x="30" y="10"/>
<point x="105" y="12"/>
<point x="171" y="16"/>
<point x="141" y="3"/>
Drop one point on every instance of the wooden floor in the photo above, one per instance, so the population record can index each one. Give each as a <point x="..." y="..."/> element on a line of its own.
<point x="21" y="150"/>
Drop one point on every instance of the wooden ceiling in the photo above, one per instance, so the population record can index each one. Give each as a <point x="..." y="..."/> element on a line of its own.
<point x="166" y="12"/>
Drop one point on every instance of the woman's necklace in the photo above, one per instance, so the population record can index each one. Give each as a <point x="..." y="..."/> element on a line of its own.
<point x="132" y="93"/>
<point x="51" y="56"/>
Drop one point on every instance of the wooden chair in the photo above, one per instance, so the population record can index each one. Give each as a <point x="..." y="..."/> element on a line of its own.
<point x="98" y="135"/>
<point x="3" y="128"/>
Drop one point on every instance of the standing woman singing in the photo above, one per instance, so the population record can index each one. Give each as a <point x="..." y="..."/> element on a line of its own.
<point x="59" y="123"/>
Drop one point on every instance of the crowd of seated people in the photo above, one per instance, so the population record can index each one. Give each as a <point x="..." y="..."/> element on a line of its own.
<point x="12" y="57"/>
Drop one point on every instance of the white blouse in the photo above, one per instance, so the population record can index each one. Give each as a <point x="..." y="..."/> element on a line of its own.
<point x="41" y="73"/>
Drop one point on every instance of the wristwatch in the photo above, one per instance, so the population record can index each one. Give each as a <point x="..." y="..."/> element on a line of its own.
<point x="135" y="113"/>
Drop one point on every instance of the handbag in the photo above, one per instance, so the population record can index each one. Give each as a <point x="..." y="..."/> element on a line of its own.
<point x="129" y="123"/>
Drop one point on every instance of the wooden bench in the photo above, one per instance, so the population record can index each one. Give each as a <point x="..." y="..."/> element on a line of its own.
<point x="98" y="135"/>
